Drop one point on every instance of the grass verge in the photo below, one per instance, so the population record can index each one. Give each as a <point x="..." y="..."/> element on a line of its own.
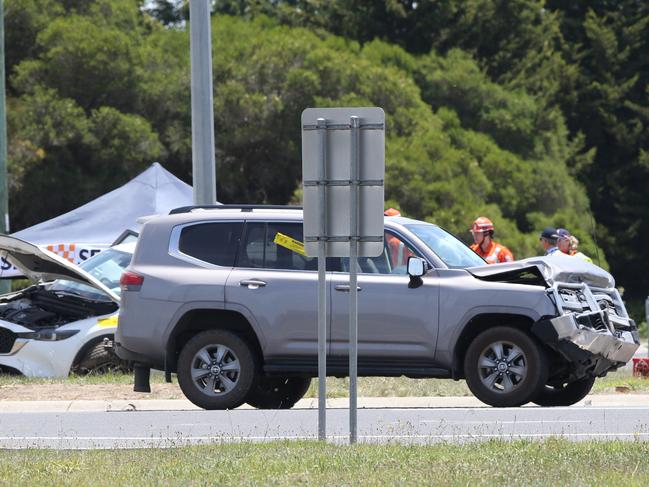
<point x="551" y="462"/>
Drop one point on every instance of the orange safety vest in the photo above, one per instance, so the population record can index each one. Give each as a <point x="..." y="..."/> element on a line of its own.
<point x="495" y="253"/>
<point x="399" y="252"/>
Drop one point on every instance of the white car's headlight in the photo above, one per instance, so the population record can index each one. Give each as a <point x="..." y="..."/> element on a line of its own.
<point x="49" y="335"/>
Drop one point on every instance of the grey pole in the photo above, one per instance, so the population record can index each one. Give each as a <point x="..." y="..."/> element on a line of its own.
<point x="203" y="160"/>
<point x="5" y="285"/>
<point x="353" y="289"/>
<point x="321" y="125"/>
<point x="646" y="310"/>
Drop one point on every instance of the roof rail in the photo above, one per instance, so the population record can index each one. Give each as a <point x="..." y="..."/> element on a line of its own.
<point x="187" y="209"/>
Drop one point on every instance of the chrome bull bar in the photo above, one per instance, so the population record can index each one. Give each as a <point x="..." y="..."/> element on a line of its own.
<point x="605" y="344"/>
<point x="617" y="345"/>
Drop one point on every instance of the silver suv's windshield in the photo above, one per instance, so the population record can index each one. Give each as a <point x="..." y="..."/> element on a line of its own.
<point x="454" y="253"/>
<point x="106" y="267"/>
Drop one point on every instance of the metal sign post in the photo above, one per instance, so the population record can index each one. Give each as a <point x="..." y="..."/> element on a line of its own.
<point x="322" y="281"/>
<point x="343" y="164"/>
<point x="354" y="237"/>
<point x="646" y="309"/>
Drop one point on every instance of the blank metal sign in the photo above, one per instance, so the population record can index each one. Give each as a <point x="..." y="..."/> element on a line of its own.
<point x="337" y="178"/>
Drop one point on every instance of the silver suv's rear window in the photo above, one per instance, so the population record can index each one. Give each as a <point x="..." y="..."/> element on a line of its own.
<point x="215" y="243"/>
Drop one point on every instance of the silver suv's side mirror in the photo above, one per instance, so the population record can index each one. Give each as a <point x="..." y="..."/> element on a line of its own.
<point x="416" y="266"/>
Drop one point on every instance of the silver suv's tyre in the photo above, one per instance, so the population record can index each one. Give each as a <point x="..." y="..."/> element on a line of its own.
<point x="277" y="392"/>
<point x="505" y="367"/>
<point x="216" y="370"/>
<point x="565" y="394"/>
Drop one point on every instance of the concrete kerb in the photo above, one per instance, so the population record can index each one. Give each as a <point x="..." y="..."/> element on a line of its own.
<point x="596" y="400"/>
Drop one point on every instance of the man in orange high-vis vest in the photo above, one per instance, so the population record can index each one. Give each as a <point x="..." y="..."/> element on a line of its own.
<point x="493" y="252"/>
<point x="398" y="251"/>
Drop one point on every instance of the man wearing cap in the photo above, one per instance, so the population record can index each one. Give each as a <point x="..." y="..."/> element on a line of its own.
<point x="493" y="252"/>
<point x="548" y="240"/>
<point x="563" y="240"/>
<point x="565" y="244"/>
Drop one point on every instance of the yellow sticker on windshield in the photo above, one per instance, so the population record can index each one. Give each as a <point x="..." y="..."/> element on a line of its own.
<point x="289" y="243"/>
<point x="108" y="322"/>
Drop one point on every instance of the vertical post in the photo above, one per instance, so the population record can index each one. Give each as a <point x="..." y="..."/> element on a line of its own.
<point x="5" y="285"/>
<point x="646" y="311"/>
<point x="203" y="160"/>
<point x="353" y="289"/>
<point x="321" y="125"/>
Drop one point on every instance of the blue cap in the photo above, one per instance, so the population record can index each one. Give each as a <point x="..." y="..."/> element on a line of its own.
<point x="549" y="233"/>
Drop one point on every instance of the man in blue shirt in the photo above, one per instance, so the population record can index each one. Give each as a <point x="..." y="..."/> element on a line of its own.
<point x="548" y="240"/>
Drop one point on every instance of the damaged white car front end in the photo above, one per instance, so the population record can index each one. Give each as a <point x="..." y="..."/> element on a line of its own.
<point x="66" y="321"/>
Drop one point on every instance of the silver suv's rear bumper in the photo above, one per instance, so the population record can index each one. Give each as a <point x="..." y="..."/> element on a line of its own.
<point x="135" y="357"/>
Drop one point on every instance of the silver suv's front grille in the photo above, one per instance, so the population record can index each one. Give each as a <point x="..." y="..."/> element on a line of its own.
<point x="581" y="299"/>
<point x="595" y="320"/>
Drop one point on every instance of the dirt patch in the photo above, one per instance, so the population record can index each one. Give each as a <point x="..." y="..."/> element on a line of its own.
<point x="90" y="392"/>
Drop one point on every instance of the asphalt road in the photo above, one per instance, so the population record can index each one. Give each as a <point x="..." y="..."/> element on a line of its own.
<point x="133" y="429"/>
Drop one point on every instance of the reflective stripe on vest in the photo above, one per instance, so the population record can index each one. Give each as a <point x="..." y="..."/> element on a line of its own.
<point x="493" y="258"/>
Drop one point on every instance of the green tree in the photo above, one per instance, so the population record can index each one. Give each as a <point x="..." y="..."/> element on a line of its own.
<point x="608" y="41"/>
<point x="56" y="149"/>
<point x="459" y="144"/>
<point x="74" y="125"/>
<point x="561" y="83"/>
<point x="24" y="19"/>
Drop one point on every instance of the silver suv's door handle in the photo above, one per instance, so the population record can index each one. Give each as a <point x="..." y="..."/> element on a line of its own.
<point x="345" y="288"/>
<point x="252" y="283"/>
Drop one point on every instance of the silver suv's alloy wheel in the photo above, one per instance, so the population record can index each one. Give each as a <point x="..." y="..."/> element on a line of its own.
<point x="503" y="366"/>
<point x="215" y="370"/>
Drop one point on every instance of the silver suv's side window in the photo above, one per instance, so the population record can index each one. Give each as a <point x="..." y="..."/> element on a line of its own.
<point x="393" y="260"/>
<point x="215" y="243"/>
<point x="275" y="246"/>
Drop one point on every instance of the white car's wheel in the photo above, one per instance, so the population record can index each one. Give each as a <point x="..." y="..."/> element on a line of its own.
<point x="100" y="360"/>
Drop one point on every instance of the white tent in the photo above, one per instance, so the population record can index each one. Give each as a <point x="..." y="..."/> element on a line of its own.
<point x="92" y="227"/>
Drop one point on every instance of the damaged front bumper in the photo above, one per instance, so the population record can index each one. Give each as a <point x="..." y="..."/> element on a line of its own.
<point x="617" y="346"/>
<point x="593" y="328"/>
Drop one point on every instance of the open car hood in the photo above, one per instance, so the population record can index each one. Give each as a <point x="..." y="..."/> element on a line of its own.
<point x="41" y="265"/>
<point x="559" y="268"/>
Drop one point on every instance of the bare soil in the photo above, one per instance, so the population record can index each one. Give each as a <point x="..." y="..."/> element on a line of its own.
<point x="118" y="387"/>
<point x="97" y="392"/>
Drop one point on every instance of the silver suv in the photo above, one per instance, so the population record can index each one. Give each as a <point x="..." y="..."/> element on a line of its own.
<point x="226" y="298"/>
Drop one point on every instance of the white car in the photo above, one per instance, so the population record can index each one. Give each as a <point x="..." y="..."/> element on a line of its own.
<point x="66" y="321"/>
